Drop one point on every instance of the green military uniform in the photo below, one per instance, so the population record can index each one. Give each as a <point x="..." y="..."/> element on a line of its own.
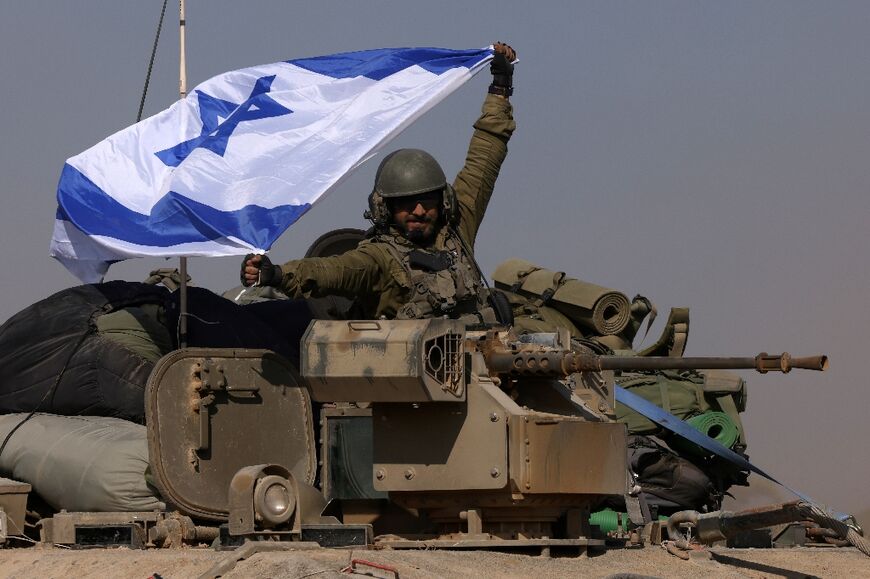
<point x="380" y="273"/>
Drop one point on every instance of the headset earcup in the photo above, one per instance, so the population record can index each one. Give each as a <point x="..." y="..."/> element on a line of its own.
<point x="377" y="213"/>
<point x="449" y="204"/>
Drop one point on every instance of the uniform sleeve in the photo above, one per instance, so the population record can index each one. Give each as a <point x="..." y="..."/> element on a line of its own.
<point x="351" y="274"/>
<point x="488" y="148"/>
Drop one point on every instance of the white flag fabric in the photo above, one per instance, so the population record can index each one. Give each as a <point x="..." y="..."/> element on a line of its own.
<point x="227" y="169"/>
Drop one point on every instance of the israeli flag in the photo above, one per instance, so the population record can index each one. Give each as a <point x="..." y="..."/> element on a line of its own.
<point x="227" y="169"/>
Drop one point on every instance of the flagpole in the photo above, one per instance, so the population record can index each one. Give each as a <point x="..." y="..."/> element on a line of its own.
<point x="182" y="261"/>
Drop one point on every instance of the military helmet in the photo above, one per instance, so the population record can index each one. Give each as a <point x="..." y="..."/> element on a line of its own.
<point x="405" y="173"/>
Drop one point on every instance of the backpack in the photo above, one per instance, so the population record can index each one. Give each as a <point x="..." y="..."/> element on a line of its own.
<point x="671" y="481"/>
<point x="688" y="394"/>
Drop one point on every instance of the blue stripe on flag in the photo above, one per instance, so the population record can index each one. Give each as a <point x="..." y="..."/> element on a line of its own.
<point x="381" y="63"/>
<point x="174" y="219"/>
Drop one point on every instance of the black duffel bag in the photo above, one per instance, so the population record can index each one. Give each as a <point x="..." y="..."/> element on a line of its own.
<point x="54" y="359"/>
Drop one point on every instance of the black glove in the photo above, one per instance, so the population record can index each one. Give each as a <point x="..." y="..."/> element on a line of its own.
<point x="502" y="71"/>
<point x="270" y="274"/>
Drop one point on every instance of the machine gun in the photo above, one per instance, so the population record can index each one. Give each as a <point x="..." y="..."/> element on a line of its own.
<point x="560" y="362"/>
<point x="492" y="435"/>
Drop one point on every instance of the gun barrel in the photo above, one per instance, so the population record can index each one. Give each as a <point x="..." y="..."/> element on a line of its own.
<point x="564" y="363"/>
<point x="763" y="363"/>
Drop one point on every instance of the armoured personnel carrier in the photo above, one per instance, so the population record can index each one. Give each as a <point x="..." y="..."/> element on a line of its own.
<point x="390" y="433"/>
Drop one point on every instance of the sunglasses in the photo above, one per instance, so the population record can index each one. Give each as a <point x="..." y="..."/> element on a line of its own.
<point x="430" y="200"/>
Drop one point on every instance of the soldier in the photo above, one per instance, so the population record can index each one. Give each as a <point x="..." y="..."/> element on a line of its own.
<point x="417" y="259"/>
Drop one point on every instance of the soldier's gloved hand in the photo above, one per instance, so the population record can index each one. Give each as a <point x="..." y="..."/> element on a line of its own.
<point x="502" y="69"/>
<point x="259" y="270"/>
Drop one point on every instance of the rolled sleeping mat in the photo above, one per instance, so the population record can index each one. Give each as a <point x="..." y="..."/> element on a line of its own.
<point x="602" y="310"/>
<point x="609" y="521"/>
<point x="716" y="425"/>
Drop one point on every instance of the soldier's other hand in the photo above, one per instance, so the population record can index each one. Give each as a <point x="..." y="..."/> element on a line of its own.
<point x="502" y="69"/>
<point x="258" y="270"/>
<point x="250" y="271"/>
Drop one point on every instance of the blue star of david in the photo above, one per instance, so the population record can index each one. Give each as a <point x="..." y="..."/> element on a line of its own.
<point x="215" y="134"/>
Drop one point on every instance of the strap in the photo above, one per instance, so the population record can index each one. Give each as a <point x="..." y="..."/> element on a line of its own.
<point x="504" y="91"/>
<point x="665" y="394"/>
<point x="638" y="510"/>
<point x="547" y="294"/>
<point x="672" y="342"/>
<point x="673" y="424"/>
<point x="642" y="307"/>
<point x="726" y="403"/>
<point x="521" y="278"/>
<point x="678" y="344"/>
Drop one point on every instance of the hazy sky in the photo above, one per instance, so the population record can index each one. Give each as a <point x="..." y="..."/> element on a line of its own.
<point x="705" y="154"/>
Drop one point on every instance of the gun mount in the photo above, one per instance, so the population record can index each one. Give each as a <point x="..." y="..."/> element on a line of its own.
<point x="489" y="434"/>
<point x="477" y="457"/>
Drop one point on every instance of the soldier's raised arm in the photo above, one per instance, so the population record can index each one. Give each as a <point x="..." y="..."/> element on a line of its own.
<point x="488" y="148"/>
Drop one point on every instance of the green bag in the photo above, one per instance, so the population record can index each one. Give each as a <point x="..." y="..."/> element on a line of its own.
<point x="685" y="394"/>
<point x="140" y="329"/>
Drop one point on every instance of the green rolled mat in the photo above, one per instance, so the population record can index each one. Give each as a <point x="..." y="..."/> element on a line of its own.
<point x="606" y="520"/>
<point x="717" y="425"/>
<point x="609" y="520"/>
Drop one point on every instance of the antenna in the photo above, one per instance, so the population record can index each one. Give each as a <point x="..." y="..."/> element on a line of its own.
<point x="182" y="261"/>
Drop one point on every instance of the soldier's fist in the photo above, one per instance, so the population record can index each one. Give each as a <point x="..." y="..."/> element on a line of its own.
<point x="505" y="49"/>
<point x="259" y="270"/>
<point x="502" y="69"/>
